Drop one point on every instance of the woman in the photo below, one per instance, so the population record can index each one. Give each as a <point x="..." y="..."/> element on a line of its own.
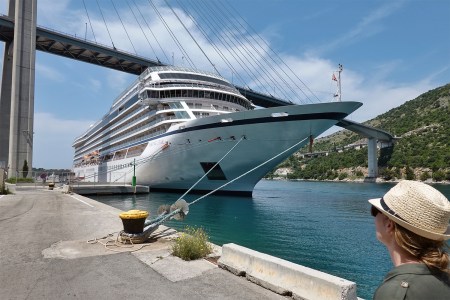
<point x="412" y="221"/>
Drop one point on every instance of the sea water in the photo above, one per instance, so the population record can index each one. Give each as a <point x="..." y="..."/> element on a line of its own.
<point x="322" y="225"/>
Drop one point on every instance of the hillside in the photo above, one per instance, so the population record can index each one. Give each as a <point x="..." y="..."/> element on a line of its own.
<point x="422" y="150"/>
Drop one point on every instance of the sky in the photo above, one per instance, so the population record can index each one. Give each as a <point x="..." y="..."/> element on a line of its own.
<point x="391" y="51"/>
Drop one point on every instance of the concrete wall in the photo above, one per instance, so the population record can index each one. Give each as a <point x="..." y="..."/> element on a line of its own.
<point x="284" y="277"/>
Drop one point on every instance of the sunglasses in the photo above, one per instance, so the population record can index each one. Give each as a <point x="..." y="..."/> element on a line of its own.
<point x="374" y="211"/>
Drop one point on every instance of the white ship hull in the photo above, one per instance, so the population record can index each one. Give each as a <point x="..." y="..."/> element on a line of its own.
<point x="177" y="159"/>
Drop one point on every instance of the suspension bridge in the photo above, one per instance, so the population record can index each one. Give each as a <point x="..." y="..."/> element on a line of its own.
<point x="22" y="37"/>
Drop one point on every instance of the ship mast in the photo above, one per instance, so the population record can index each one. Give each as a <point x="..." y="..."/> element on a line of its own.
<point x="340" y="68"/>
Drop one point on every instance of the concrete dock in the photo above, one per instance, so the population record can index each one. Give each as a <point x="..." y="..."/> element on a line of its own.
<point x="45" y="255"/>
<point x="57" y="245"/>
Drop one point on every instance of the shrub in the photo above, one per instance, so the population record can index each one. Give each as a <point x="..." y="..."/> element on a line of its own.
<point x="424" y="176"/>
<point x="192" y="244"/>
<point x="4" y="191"/>
<point x="359" y="173"/>
<point x="343" y="176"/>
<point x="438" y="175"/>
<point x="25" y="168"/>
<point x="19" y="180"/>
<point x="386" y="174"/>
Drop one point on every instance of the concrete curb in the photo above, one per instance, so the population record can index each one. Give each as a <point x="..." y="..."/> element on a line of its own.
<point x="284" y="277"/>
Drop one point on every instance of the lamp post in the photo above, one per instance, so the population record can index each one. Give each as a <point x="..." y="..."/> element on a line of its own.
<point x="134" y="174"/>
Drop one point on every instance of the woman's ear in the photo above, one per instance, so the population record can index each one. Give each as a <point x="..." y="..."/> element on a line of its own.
<point x="389" y="225"/>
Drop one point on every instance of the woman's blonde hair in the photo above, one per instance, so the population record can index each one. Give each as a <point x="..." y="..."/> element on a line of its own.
<point x="430" y="252"/>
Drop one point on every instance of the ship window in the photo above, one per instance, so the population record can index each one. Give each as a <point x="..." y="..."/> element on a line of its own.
<point x="154" y="94"/>
<point x="182" y="115"/>
<point x="216" y="173"/>
<point x="193" y="77"/>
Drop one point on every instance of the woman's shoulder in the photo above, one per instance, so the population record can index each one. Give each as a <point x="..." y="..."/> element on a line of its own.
<point x="414" y="283"/>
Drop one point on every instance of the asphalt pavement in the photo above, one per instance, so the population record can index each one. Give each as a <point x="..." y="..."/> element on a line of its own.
<point x="63" y="246"/>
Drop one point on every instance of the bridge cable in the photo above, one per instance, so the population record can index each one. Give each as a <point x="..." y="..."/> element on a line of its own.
<point x="280" y="59"/>
<point x="137" y="21"/>
<point x="112" y="2"/>
<point x="195" y="41"/>
<point x="151" y="31"/>
<point x="232" y="52"/>
<point x="224" y="43"/>
<point x="262" y="55"/>
<point x="177" y="42"/>
<point x="264" y="73"/>
<point x="245" y="61"/>
<point x="107" y="29"/>
<point x="89" y="19"/>
<point x="216" y="48"/>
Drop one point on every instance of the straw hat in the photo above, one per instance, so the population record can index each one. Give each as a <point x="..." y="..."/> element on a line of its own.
<point x="417" y="207"/>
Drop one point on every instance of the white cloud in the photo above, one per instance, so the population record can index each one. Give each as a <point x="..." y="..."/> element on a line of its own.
<point x="95" y="84"/>
<point x="49" y="72"/>
<point x="368" y="26"/>
<point x="53" y="138"/>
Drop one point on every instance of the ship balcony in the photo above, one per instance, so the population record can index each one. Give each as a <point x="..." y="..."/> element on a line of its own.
<point x="129" y="134"/>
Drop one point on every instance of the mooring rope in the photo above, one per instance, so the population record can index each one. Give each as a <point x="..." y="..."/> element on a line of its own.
<point x="124" y="242"/>
<point x="152" y="225"/>
<point x="240" y="176"/>
<point x="212" y="168"/>
<point x="163" y="217"/>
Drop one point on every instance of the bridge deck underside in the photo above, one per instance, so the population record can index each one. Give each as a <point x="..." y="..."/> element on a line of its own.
<point x="87" y="55"/>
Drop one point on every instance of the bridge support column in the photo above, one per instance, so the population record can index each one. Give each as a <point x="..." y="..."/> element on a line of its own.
<point x="372" y="158"/>
<point x="22" y="87"/>
<point x="5" y="98"/>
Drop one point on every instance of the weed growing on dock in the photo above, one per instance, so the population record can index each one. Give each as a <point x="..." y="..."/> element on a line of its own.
<point x="193" y="243"/>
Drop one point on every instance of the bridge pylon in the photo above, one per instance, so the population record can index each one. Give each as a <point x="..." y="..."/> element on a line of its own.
<point x="17" y="89"/>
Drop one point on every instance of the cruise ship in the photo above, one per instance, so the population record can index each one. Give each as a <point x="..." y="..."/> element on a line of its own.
<point x="176" y="129"/>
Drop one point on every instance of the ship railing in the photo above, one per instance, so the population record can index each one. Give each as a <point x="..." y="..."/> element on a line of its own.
<point x="182" y="69"/>
<point x="108" y="130"/>
<point x="142" y="127"/>
<point x="194" y="85"/>
<point x="133" y="142"/>
<point x="150" y="124"/>
<point x="109" y="177"/>
<point x="40" y="179"/>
